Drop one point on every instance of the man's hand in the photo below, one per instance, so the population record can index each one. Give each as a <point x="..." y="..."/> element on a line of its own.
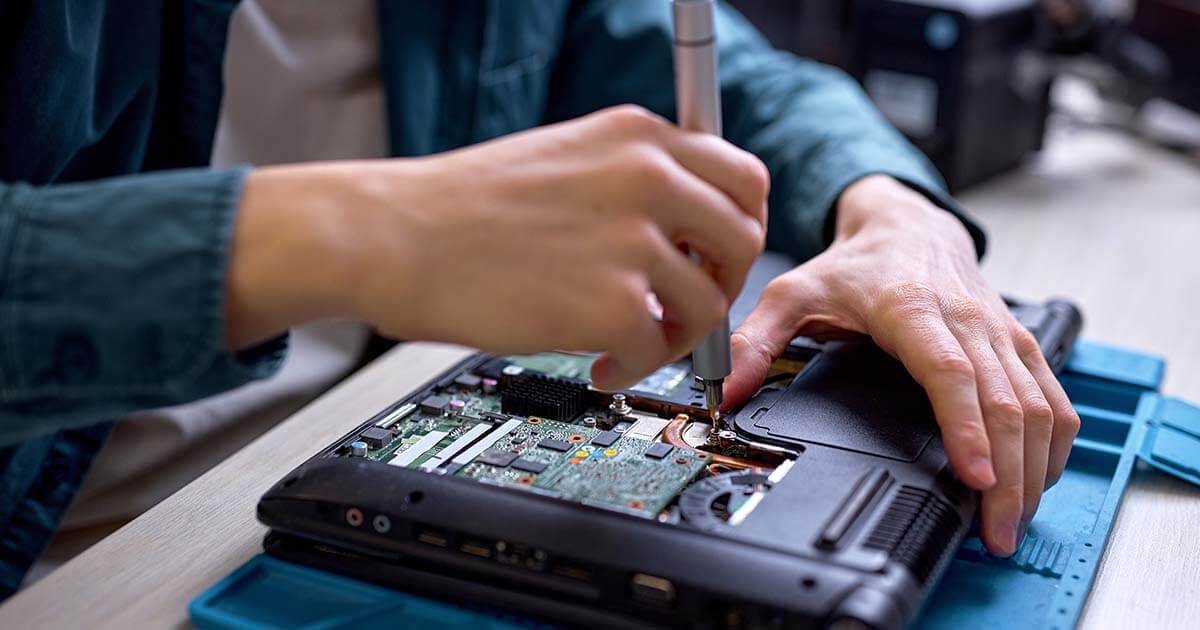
<point x="904" y="272"/>
<point x="546" y="239"/>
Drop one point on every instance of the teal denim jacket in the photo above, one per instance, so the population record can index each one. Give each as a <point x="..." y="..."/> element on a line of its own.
<point x="114" y="234"/>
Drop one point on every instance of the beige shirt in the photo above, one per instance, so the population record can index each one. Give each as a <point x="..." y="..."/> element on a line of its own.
<point x="301" y="84"/>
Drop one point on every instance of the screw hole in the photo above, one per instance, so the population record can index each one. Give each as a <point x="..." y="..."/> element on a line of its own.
<point x="1062" y="611"/>
<point x="1087" y="544"/>
<point x="1082" y="560"/>
<point x="1070" y="594"/>
<point x="415" y="497"/>
<point x="808" y="583"/>
<point x="1075" y="577"/>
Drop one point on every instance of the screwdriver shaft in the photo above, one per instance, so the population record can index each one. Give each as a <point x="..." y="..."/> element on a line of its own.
<point x="698" y="100"/>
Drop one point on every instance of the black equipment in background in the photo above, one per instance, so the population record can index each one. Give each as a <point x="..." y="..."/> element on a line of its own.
<point x="968" y="81"/>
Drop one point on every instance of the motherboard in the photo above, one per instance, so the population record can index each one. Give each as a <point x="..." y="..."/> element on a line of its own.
<point x="535" y="423"/>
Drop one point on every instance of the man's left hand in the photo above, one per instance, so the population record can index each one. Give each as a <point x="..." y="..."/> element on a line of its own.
<point x="904" y="272"/>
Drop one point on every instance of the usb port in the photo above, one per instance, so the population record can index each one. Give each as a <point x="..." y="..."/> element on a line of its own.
<point x="476" y="548"/>
<point x="430" y="537"/>
<point x="573" y="572"/>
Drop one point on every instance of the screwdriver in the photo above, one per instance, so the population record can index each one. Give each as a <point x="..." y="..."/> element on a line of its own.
<point x="698" y="100"/>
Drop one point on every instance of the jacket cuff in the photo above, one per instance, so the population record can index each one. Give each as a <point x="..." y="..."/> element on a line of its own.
<point x="113" y="293"/>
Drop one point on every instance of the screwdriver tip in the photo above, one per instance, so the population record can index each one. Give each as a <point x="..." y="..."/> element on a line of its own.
<point x="713" y="395"/>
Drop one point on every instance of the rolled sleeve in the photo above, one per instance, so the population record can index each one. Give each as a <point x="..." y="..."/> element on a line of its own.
<point x="112" y="298"/>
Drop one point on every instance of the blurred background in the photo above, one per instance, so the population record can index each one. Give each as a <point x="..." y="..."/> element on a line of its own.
<point x="974" y="83"/>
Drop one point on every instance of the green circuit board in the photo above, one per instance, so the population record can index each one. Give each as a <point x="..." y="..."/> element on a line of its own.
<point x="468" y="428"/>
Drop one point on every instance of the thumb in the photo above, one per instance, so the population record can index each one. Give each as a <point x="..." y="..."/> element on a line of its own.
<point x="764" y="335"/>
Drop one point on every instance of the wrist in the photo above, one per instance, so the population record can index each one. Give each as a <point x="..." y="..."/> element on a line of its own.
<point x="881" y="203"/>
<point x="288" y="262"/>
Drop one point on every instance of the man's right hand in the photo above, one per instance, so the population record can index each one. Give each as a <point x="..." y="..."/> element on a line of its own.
<point x="545" y="239"/>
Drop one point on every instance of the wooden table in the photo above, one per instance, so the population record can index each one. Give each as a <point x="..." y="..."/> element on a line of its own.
<point x="1099" y="218"/>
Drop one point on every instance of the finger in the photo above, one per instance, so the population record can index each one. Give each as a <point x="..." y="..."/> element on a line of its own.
<point x="762" y="337"/>
<point x="915" y="333"/>
<point x="692" y="303"/>
<point x="637" y="347"/>
<point x="1003" y="418"/>
<point x="1038" y="425"/>
<point x="1065" y="422"/>
<point x="735" y="172"/>
<point x="693" y="212"/>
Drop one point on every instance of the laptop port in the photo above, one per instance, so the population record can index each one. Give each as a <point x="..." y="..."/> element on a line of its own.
<point x="520" y="555"/>
<point x="572" y="571"/>
<point x="652" y="589"/>
<point x="476" y="548"/>
<point x="435" y="538"/>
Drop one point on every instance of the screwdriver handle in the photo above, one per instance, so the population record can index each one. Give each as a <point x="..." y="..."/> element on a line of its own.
<point x="698" y="100"/>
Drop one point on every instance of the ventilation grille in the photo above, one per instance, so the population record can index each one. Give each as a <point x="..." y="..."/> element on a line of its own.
<point x="914" y="530"/>
<point x="532" y="394"/>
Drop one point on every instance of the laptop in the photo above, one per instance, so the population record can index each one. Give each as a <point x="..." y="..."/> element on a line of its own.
<point x="509" y="483"/>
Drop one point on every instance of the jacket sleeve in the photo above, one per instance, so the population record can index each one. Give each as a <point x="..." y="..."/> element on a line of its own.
<point x="811" y="124"/>
<point x="112" y="298"/>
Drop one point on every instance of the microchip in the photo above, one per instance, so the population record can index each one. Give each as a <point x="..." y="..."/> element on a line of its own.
<point x="562" y="446"/>
<point x="434" y="405"/>
<point x="376" y="437"/>
<point x="658" y="450"/>
<point x="529" y="465"/>
<point x="606" y="438"/>
<point x="496" y="457"/>
<point x="468" y="382"/>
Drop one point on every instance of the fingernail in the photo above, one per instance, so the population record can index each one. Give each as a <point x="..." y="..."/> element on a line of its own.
<point x="1006" y="537"/>
<point x="1021" y="531"/>
<point x="981" y="469"/>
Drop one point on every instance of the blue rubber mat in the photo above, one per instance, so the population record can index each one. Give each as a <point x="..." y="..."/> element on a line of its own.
<point x="1043" y="585"/>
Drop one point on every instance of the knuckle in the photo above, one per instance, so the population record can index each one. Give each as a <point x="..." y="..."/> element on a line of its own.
<point x="777" y="291"/>
<point x="757" y="175"/>
<point x="964" y="310"/>
<point x="633" y="119"/>
<point x="910" y="299"/>
<point x="952" y="363"/>
<point x="1068" y="423"/>
<point x="1003" y="412"/>
<point x="1038" y="414"/>
<point x="1024" y="342"/>
<point x="749" y="244"/>
<point x="652" y="169"/>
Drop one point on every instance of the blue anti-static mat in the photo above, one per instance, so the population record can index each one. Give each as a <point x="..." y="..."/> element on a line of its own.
<point x="1044" y="585"/>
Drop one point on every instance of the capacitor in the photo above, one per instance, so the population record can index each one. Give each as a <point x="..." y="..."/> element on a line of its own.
<point x="358" y="449"/>
<point x="457" y="405"/>
<point x="489" y="385"/>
